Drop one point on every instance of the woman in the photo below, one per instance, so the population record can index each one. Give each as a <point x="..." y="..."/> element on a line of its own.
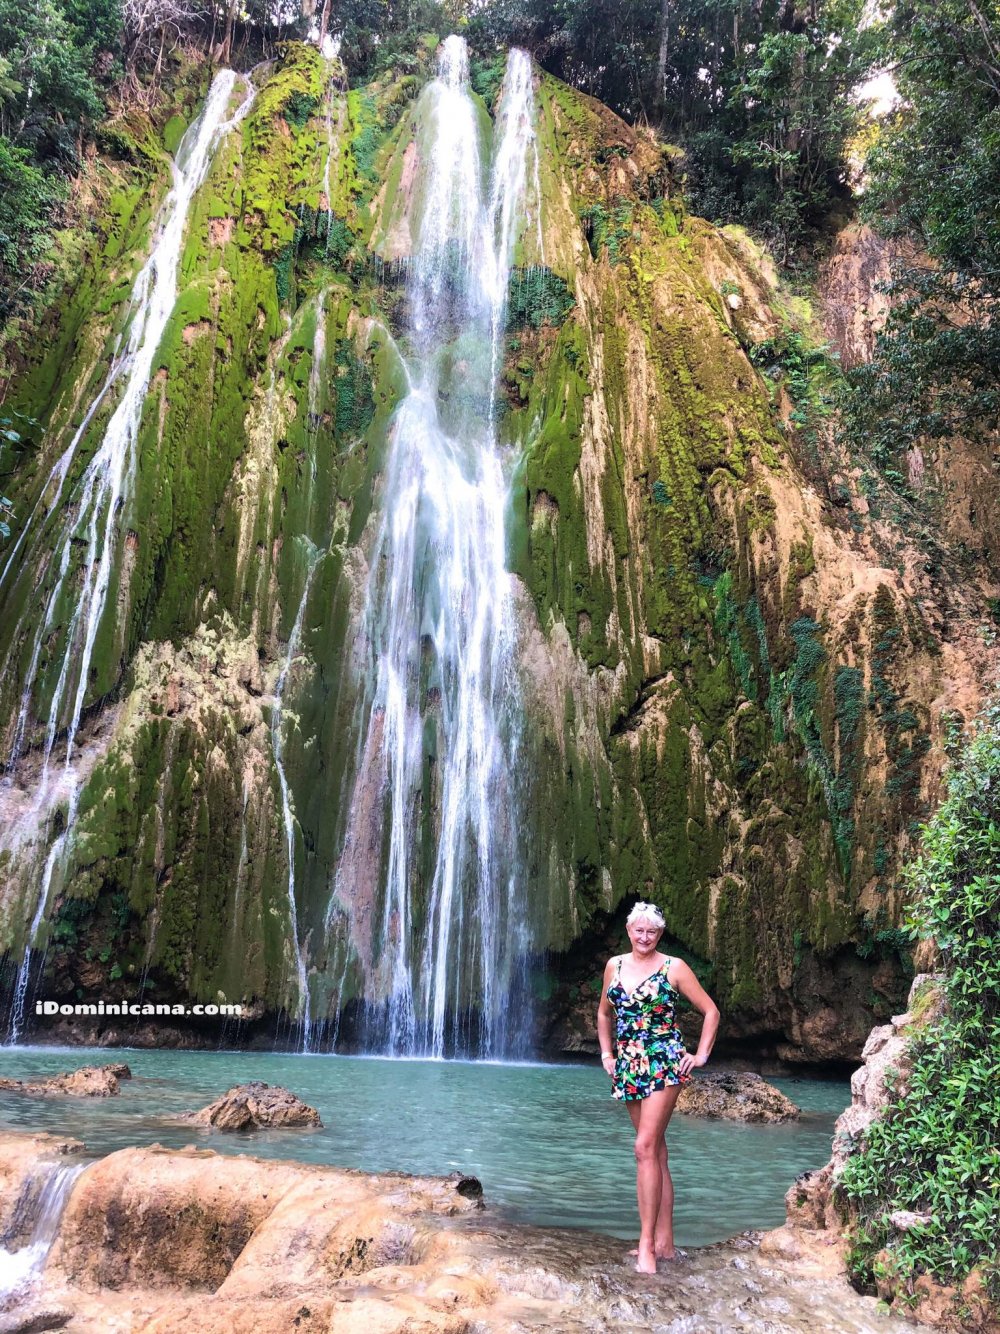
<point x="638" y="997"/>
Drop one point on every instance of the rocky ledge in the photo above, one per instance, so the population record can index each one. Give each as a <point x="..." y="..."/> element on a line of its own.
<point x="158" y="1241"/>
<point x="255" y="1106"/>
<point x="90" y="1081"/>
<point x="816" y="1233"/>
<point x="736" y="1095"/>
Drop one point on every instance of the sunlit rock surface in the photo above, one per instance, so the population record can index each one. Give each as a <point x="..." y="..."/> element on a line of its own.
<point x="255" y="1106"/>
<point x="151" y="1239"/>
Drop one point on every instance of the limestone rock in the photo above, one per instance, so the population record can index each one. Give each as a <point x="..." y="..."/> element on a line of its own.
<point x="809" y="1201"/>
<point x="90" y="1081"/>
<point x="164" y="1241"/>
<point x="255" y="1106"/>
<point x="782" y="1242"/>
<point x="736" y="1095"/>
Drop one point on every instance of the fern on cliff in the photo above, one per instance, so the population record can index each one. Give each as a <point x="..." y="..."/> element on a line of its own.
<point x="935" y="1151"/>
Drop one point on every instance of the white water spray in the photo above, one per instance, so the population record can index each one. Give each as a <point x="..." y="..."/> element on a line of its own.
<point x="107" y="482"/>
<point x="21" y="1270"/>
<point x="100" y="498"/>
<point x="287" y="807"/>
<point x="439" y="620"/>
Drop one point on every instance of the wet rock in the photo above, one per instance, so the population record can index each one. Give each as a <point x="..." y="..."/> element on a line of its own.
<point x="90" y="1081"/>
<point x="255" y="1106"/>
<point x="24" y="1160"/>
<point x="168" y="1241"/>
<point x="782" y="1242"/>
<point x="35" y="1321"/>
<point x="809" y="1201"/>
<point x="736" y="1095"/>
<point x="470" y="1187"/>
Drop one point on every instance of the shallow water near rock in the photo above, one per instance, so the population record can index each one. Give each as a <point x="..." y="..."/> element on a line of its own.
<point x="548" y="1142"/>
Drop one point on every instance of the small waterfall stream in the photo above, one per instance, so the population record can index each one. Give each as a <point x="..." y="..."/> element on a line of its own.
<point x="21" y="1269"/>
<point x="438" y="623"/>
<point x="96" y="508"/>
<point x="287" y="805"/>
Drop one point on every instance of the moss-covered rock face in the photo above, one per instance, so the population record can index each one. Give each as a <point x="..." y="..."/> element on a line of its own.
<point x="730" y="705"/>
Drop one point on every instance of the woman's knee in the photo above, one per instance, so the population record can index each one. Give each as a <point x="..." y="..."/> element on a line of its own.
<point x="646" y="1149"/>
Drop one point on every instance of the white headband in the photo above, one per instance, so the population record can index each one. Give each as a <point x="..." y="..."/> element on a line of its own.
<point x="649" y="910"/>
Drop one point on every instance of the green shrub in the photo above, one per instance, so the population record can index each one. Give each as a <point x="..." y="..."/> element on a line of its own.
<point x="936" y="1151"/>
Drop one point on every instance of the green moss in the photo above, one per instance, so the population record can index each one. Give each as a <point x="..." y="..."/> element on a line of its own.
<point x="355" y="405"/>
<point x="173" y="132"/>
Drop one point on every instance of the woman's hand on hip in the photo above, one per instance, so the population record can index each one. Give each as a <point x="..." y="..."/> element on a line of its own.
<point x="688" y="1062"/>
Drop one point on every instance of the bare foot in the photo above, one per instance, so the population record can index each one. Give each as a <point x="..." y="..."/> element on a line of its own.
<point x="646" y="1261"/>
<point x="661" y="1252"/>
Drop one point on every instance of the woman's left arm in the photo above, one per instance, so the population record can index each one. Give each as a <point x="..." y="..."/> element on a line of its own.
<point x="680" y="976"/>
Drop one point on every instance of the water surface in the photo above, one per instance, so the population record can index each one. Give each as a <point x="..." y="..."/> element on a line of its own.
<point x="548" y="1142"/>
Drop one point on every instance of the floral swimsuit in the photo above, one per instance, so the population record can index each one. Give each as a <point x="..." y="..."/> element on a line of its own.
<point x="649" y="1044"/>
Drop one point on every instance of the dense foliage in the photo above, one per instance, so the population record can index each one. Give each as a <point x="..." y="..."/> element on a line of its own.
<point x="935" y="1151"/>
<point x="757" y="92"/>
<point x="54" y="61"/>
<point x="934" y="177"/>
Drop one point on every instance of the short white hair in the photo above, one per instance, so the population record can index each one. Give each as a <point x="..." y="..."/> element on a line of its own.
<point x="649" y="910"/>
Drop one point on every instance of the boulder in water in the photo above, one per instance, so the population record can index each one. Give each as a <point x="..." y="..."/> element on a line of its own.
<point x="255" y="1106"/>
<point x="90" y="1081"/>
<point x="736" y="1095"/>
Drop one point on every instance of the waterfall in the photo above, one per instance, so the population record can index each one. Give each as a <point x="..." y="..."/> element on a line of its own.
<point x="20" y="1270"/>
<point x="96" y="506"/>
<point x="108" y="479"/>
<point x="439" y="626"/>
<point x="287" y="807"/>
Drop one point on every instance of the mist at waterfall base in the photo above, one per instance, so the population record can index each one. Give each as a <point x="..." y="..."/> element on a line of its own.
<point x="549" y="1143"/>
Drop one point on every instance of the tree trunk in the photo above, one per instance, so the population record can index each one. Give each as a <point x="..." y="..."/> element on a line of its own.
<point x="226" y="45"/>
<point x="324" y="23"/>
<point x="660" y="100"/>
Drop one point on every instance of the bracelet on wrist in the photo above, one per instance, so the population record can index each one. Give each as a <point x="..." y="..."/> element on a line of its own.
<point x="607" y="1055"/>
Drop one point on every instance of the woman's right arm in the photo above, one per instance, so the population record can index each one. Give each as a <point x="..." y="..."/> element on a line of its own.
<point x="606" y="1022"/>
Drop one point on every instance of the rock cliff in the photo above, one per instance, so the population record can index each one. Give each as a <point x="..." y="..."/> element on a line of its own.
<point x="736" y="668"/>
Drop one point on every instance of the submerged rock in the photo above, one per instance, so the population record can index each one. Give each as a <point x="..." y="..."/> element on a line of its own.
<point x="255" y="1106"/>
<point x="90" y="1081"/>
<point x="736" y="1095"/>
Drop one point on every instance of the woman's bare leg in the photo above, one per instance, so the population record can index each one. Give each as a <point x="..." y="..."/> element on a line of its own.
<point x="654" y="1113"/>
<point x="663" y="1235"/>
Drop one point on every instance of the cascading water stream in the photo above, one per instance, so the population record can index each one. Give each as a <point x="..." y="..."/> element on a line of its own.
<point x="103" y="491"/>
<point x="439" y="621"/>
<point x="287" y="807"/>
<point x="20" y="1270"/>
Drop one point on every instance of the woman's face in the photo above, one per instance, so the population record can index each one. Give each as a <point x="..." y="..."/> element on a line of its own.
<point x="644" y="935"/>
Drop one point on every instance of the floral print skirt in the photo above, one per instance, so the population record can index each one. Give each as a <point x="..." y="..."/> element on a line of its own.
<point x="646" y="1064"/>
